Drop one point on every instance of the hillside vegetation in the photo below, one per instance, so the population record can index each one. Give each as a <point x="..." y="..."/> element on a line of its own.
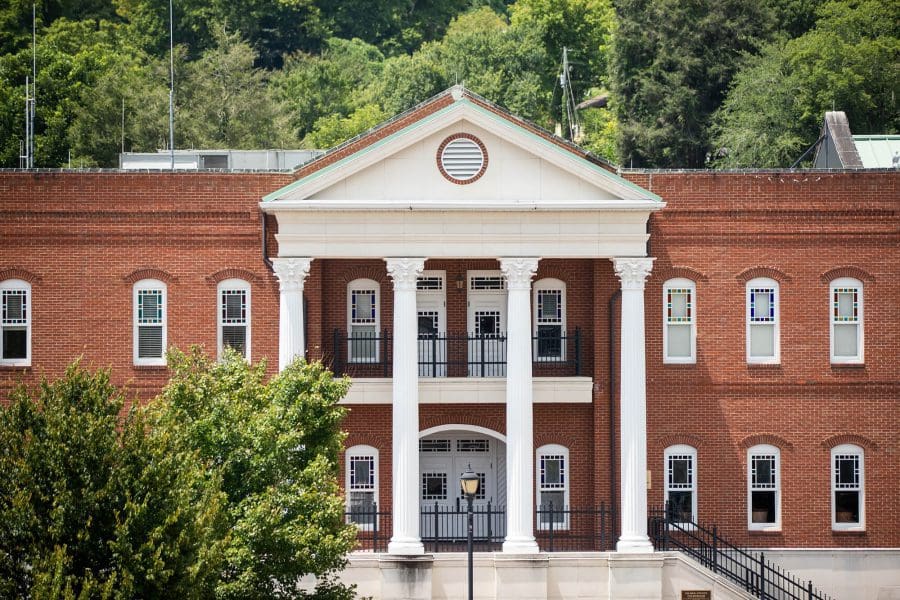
<point x="707" y="83"/>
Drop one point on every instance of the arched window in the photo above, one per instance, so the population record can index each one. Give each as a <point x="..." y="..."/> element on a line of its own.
<point x="552" y="479"/>
<point x="150" y="314"/>
<point x="15" y="323"/>
<point x="848" y="505"/>
<point x="234" y="316"/>
<point x="681" y="482"/>
<point x="846" y="304"/>
<point x="549" y="307"/>
<point x="763" y="319"/>
<point x="764" y="488"/>
<point x="362" y="485"/>
<point x="363" y="320"/>
<point x="679" y="321"/>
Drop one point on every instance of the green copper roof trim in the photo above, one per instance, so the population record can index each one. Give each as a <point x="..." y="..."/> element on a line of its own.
<point x="490" y="114"/>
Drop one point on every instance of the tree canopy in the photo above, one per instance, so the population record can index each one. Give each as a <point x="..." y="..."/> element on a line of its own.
<point x="684" y="81"/>
<point x="224" y="486"/>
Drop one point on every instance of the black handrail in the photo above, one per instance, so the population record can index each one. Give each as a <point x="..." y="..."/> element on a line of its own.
<point x="369" y="354"/>
<point x="750" y="570"/>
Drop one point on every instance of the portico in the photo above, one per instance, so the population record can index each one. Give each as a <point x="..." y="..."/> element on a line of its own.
<point x="390" y="200"/>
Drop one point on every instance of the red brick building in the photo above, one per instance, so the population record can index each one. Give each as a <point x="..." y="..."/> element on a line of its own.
<point x="479" y="279"/>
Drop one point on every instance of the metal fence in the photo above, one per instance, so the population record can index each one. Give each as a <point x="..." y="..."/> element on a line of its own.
<point x="750" y="570"/>
<point x="444" y="528"/>
<point x="370" y="354"/>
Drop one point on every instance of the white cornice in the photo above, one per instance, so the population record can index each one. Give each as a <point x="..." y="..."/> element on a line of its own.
<point x="461" y="205"/>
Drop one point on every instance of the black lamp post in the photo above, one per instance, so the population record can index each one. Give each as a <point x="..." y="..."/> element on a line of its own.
<point x="468" y="482"/>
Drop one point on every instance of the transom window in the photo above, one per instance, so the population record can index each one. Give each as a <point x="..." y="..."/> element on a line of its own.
<point x="234" y="316"/>
<point x="847" y="498"/>
<point x="762" y="321"/>
<point x="430" y="283"/>
<point x="15" y="323"/>
<point x="363" y="321"/>
<point x="362" y="485"/>
<point x="434" y="445"/>
<point x="679" y="321"/>
<point x="473" y="445"/>
<point x="553" y="486"/>
<point x="846" y="320"/>
<point x="764" y="487"/>
<point x="486" y="282"/>
<point x="149" y="322"/>
<point x="681" y="483"/>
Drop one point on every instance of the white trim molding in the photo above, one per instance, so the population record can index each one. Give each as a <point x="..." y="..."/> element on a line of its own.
<point x="848" y="478"/>
<point x="846" y="315"/>
<point x="225" y="317"/>
<point x="150" y="312"/>
<point x="763" y="479"/>
<point x="15" y="316"/>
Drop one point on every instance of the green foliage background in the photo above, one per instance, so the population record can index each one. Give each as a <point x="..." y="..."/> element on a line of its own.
<point x="707" y="83"/>
<point x="223" y="487"/>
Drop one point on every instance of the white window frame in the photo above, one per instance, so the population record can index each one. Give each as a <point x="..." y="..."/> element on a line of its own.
<point x="764" y="283"/>
<point x="361" y="451"/>
<point x="553" y="450"/>
<point x="857" y="285"/>
<point x="544" y="285"/>
<point x="680" y="283"/>
<point x="763" y="450"/>
<point x="233" y="285"/>
<point x="848" y="450"/>
<point x="16" y="285"/>
<point x="363" y="285"/>
<point x="150" y="284"/>
<point x="681" y="450"/>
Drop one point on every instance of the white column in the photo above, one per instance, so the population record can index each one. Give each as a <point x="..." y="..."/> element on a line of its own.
<point x="405" y="539"/>
<point x="633" y="405"/>
<point x="519" y="417"/>
<point x="291" y="273"/>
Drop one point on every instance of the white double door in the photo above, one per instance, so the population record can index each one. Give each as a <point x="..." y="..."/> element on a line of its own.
<point x="442" y="460"/>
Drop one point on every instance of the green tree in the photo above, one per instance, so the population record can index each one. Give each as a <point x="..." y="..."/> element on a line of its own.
<point x="223" y="101"/>
<point x="671" y="67"/>
<point x="94" y="506"/>
<point x="275" y="446"/>
<point x="850" y="61"/>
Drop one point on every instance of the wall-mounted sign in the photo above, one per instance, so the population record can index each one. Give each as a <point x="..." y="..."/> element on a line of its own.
<point x="696" y="595"/>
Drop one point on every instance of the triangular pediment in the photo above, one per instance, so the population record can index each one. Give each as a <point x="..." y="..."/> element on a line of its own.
<point x="397" y="165"/>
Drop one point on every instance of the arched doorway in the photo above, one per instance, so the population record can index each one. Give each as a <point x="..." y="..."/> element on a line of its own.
<point x="444" y="453"/>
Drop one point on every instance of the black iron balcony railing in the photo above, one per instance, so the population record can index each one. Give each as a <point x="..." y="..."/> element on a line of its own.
<point x="369" y="354"/>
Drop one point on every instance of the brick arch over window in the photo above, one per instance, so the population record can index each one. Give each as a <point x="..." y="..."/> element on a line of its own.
<point x="494" y="423"/>
<point x="772" y="439"/>
<point x="763" y="271"/>
<point x="551" y="439"/>
<point x="849" y="438"/>
<point x="382" y="443"/>
<point x="232" y="273"/>
<point x="677" y="439"/>
<point x="149" y="273"/>
<point x="19" y="273"/>
<point x="675" y="271"/>
<point x="847" y="271"/>
<point x="369" y="272"/>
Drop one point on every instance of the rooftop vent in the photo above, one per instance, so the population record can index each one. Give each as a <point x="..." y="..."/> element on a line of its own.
<point x="462" y="158"/>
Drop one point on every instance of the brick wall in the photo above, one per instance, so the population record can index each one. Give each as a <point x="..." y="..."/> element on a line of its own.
<point x="81" y="238"/>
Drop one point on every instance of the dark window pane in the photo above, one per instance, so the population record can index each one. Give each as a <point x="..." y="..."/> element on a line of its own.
<point x="235" y="337"/>
<point x="681" y="507"/>
<point x="557" y="499"/>
<point x="15" y="342"/>
<point x="763" y="504"/>
<point x="362" y="507"/>
<point x="549" y="341"/>
<point x="846" y="507"/>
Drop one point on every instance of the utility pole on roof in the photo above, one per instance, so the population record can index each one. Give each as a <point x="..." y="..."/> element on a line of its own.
<point x="171" y="88"/>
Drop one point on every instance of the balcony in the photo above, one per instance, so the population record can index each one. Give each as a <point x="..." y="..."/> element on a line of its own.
<point x="369" y="354"/>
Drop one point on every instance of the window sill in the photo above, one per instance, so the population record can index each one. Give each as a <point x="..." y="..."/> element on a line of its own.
<point x="764" y="365"/>
<point x="764" y="530"/>
<point x="848" y="530"/>
<point x="162" y="367"/>
<point x="10" y="366"/>
<point x="679" y="363"/>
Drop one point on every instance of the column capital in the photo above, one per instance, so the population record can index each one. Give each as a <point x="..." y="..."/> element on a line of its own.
<point x="404" y="271"/>
<point x="633" y="271"/>
<point x="519" y="271"/>
<point x="291" y="273"/>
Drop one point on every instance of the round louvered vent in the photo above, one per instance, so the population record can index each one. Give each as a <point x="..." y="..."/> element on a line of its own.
<point x="462" y="158"/>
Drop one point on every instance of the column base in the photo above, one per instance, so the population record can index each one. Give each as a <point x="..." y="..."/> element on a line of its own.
<point x="634" y="544"/>
<point x="520" y="545"/>
<point x="405" y="547"/>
